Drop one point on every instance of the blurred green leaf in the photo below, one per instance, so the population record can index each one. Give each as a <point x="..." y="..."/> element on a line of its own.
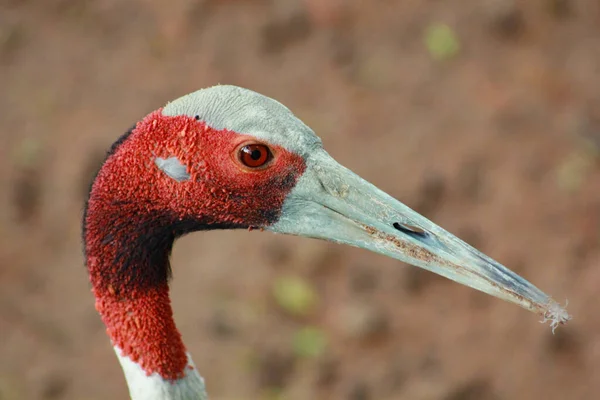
<point x="309" y="342"/>
<point x="295" y="295"/>
<point x="8" y="389"/>
<point x="249" y="360"/>
<point x="575" y="168"/>
<point x="441" y="41"/>
<point x="590" y="147"/>
<point x="272" y="393"/>
<point x="573" y="171"/>
<point x="27" y="153"/>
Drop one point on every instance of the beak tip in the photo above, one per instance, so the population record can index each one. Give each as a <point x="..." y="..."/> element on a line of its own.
<point x="556" y="315"/>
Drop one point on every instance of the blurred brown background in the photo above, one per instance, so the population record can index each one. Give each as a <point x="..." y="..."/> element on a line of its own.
<point x="482" y="115"/>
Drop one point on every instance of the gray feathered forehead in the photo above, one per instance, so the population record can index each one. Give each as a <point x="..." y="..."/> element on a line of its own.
<point x="247" y="112"/>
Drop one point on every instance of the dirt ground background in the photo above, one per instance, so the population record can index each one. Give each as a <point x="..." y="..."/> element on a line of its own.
<point x="498" y="142"/>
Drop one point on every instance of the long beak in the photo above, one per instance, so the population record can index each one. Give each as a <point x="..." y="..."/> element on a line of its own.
<point x="332" y="203"/>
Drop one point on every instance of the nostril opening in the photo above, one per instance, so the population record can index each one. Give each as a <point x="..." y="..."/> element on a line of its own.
<point x="409" y="229"/>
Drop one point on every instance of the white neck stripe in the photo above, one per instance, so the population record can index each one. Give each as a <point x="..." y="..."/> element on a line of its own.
<point x="154" y="387"/>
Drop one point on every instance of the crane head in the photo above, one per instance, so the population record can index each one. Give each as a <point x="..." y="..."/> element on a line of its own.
<point x="227" y="157"/>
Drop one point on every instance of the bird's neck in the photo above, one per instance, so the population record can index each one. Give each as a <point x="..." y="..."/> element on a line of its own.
<point x="154" y="387"/>
<point x="127" y="251"/>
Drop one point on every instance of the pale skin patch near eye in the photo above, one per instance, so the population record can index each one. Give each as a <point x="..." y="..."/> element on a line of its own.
<point x="173" y="168"/>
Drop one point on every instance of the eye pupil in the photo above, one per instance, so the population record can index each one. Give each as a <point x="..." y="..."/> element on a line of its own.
<point x="256" y="154"/>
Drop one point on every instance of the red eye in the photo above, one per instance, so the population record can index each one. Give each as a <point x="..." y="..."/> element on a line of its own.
<point x="255" y="155"/>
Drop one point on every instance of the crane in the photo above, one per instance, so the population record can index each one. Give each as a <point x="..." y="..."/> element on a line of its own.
<point x="226" y="157"/>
